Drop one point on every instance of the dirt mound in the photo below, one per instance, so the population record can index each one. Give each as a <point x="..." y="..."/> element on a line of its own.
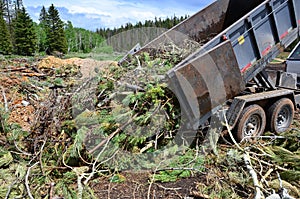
<point x="89" y="67"/>
<point x="54" y="62"/>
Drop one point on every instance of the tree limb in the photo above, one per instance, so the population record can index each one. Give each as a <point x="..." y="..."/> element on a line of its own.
<point x="258" y="194"/>
<point x="5" y="100"/>
<point x="27" y="181"/>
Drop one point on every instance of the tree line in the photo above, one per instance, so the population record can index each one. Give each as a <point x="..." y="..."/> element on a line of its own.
<point x="167" y="23"/>
<point x="21" y="36"/>
<point x="19" y="32"/>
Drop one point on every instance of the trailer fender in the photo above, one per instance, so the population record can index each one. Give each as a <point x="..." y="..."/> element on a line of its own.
<point x="264" y="99"/>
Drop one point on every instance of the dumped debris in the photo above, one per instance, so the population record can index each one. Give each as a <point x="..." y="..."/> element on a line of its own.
<point x="64" y="134"/>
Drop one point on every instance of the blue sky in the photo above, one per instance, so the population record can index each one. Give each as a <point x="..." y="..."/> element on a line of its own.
<point x="92" y="14"/>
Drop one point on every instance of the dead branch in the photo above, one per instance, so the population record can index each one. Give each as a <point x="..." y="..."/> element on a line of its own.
<point x="269" y="164"/>
<point x="27" y="180"/>
<point x="51" y="190"/>
<point x="127" y="85"/>
<point x="80" y="172"/>
<point x="34" y="74"/>
<point x="94" y="167"/>
<point x="177" y="169"/>
<point x="20" y="150"/>
<point x="258" y="194"/>
<point x="148" y="146"/>
<point x="169" y="189"/>
<point x="267" y="175"/>
<point x="37" y="88"/>
<point x="10" y="187"/>
<point x="230" y="133"/>
<point x="283" y="192"/>
<point x="83" y="85"/>
<point x="41" y="155"/>
<point x="139" y="63"/>
<point x="12" y="69"/>
<point x="5" y="100"/>
<point x="152" y="180"/>
<point x="273" y="137"/>
<point x="200" y="195"/>
<point x="130" y="86"/>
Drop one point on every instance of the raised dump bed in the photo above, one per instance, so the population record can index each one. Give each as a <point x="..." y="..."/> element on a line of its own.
<point x="205" y="24"/>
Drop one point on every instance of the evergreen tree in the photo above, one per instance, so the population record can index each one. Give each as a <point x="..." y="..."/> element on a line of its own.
<point x="54" y="26"/>
<point x="5" y="41"/>
<point x="41" y="37"/>
<point x="18" y="5"/>
<point x="43" y="15"/>
<point x="7" y="12"/>
<point x="24" y="34"/>
<point x="2" y="8"/>
<point x="158" y="22"/>
<point x="41" y="31"/>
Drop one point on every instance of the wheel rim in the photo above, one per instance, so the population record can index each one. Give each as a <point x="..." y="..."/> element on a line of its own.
<point x="252" y="126"/>
<point x="283" y="117"/>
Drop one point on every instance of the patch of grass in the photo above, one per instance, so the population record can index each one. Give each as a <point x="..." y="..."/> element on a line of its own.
<point x="101" y="54"/>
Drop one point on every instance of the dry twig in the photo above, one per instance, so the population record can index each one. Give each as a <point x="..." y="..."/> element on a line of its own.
<point x="5" y="100"/>
<point x="27" y="180"/>
<point x="258" y="194"/>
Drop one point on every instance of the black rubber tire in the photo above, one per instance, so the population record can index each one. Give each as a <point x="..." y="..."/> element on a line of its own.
<point x="252" y="122"/>
<point x="280" y="115"/>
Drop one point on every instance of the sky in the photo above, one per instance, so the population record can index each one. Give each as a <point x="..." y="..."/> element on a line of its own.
<point x="93" y="14"/>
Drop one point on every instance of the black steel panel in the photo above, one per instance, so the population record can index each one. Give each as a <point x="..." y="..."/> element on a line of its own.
<point x="262" y="28"/>
<point x="297" y="10"/>
<point x="243" y="45"/>
<point x="282" y="15"/>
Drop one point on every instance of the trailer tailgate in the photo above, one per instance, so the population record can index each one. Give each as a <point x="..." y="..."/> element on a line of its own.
<point x="206" y="82"/>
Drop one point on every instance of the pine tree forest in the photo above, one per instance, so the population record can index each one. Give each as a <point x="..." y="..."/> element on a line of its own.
<point x="21" y="36"/>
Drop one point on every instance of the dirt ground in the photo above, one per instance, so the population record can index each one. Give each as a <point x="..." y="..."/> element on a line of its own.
<point x="137" y="185"/>
<point x="11" y="83"/>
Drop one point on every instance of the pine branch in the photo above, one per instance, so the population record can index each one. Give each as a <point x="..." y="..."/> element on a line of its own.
<point x="112" y="134"/>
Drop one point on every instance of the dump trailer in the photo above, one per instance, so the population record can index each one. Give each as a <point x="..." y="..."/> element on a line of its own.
<point x="226" y="78"/>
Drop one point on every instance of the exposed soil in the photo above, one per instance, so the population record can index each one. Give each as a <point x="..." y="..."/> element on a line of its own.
<point x="88" y="67"/>
<point x="11" y="82"/>
<point x="137" y="185"/>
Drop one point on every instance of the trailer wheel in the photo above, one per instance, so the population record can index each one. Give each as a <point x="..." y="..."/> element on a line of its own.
<point x="251" y="123"/>
<point x="280" y="115"/>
